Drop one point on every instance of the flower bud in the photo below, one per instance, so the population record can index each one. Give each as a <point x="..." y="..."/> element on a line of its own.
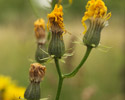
<point x="36" y="73"/>
<point x="39" y="28"/>
<point x="56" y="26"/>
<point x="96" y="13"/>
<point x="32" y="92"/>
<point x="41" y="53"/>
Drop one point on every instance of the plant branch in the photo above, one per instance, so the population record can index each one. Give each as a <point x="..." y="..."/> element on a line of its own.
<point x="73" y="73"/>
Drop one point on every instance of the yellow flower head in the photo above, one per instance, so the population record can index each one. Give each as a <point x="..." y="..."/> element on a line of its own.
<point x="13" y="92"/>
<point x="55" y="18"/>
<point x="39" y="23"/>
<point x="39" y="27"/>
<point x="4" y="82"/>
<point x="95" y="9"/>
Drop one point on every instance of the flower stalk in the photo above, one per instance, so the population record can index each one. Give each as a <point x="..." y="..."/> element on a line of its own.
<point x="69" y="75"/>
<point x="96" y="12"/>
<point x="60" y="78"/>
<point x="74" y="72"/>
<point x="57" y="47"/>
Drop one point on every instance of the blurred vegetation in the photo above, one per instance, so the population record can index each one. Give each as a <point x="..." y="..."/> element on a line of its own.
<point x="101" y="78"/>
<point x="10" y="9"/>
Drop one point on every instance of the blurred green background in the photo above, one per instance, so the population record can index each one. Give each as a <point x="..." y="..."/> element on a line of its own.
<point x="101" y="78"/>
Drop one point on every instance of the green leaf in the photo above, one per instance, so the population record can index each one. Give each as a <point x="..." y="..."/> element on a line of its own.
<point x="44" y="51"/>
<point x="62" y="60"/>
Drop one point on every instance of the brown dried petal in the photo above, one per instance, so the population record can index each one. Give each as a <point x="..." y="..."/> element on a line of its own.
<point x="36" y="72"/>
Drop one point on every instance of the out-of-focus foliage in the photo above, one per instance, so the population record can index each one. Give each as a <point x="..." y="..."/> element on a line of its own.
<point x="11" y="8"/>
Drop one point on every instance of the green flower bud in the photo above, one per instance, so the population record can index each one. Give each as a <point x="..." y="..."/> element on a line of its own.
<point x="32" y="92"/>
<point x="56" y="46"/>
<point x="56" y="27"/>
<point x="96" y="12"/>
<point x="92" y="36"/>
<point x="36" y="73"/>
<point x="41" y="53"/>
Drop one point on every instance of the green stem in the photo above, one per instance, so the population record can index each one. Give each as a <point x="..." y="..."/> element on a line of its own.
<point x="48" y="36"/>
<point x="33" y="8"/>
<point x="73" y="73"/>
<point x="60" y="78"/>
<point x="59" y="88"/>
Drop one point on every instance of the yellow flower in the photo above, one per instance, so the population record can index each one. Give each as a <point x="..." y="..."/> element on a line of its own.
<point x="39" y="27"/>
<point x="95" y="9"/>
<point x="39" y="23"/>
<point x="9" y="90"/>
<point x="13" y="92"/>
<point x="4" y="82"/>
<point x="55" y="19"/>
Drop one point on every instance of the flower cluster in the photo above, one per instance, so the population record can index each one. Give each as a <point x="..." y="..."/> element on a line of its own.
<point x="8" y="89"/>
<point x="96" y="13"/>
